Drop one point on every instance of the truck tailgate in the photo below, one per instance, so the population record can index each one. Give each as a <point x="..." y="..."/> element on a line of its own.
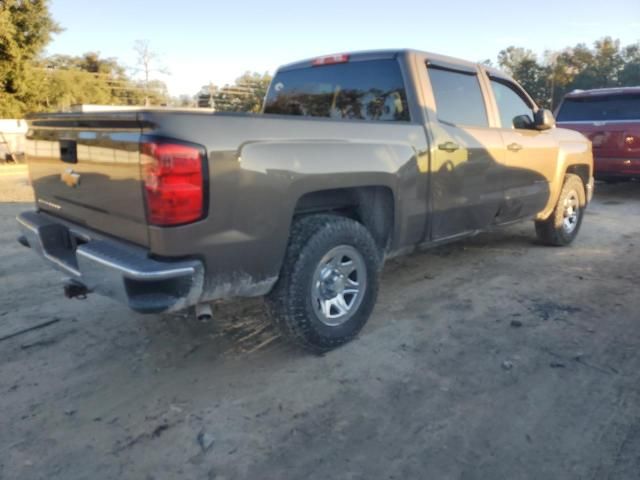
<point x="86" y="169"/>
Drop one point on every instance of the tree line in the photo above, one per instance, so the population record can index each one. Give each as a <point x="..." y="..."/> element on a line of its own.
<point x="32" y="82"/>
<point x="245" y="95"/>
<point x="549" y="77"/>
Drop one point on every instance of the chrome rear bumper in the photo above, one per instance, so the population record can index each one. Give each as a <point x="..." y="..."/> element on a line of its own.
<point x="113" y="268"/>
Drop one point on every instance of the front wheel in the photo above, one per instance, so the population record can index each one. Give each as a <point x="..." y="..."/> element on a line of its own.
<point x="562" y="226"/>
<point x="328" y="284"/>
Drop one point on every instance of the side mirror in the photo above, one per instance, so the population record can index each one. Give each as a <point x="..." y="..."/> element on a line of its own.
<point x="544" y="120"/>
<point x="523" y="122"/>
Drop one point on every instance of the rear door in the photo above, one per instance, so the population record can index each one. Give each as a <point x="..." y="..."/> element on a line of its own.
<point x="88" y="171"/>
<point x="531" y="155"/>
<point x="466" y="189"/>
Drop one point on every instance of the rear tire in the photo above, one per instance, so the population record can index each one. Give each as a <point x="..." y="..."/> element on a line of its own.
<point x="562" y="226"/>
<point x="328" y="284"/>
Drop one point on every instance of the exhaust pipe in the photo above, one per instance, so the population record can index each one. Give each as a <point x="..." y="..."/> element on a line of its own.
<point x="204" y="312"/>
<point x="22" y="240"/>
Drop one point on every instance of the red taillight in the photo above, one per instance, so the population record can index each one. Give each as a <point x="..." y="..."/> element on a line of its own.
<point x="173" y="182"/>
<point x="330" y="60"/>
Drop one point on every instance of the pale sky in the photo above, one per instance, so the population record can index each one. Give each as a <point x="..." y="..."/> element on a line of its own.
<point x="201" y="41"/>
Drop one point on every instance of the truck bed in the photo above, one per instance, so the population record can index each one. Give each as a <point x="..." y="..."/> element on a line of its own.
<point x="273" y="160"/>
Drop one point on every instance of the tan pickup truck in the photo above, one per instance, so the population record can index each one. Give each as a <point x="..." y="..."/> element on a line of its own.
<point x="355" y="158"/>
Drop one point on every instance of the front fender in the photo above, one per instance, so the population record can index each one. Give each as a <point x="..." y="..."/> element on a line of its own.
<point x="574" y="156"/>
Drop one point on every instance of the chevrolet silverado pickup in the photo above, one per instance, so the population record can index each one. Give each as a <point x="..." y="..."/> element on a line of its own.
<point x="355" y="158"/>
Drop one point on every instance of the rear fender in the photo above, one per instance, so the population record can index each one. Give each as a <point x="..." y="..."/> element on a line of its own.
<point x="279" y="174"/>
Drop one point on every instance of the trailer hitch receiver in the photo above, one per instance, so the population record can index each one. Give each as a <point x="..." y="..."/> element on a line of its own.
<point x="73" y="289"/>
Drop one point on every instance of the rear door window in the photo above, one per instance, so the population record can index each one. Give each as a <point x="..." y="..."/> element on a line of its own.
<point x="600" y="108"/>
<point x="360" y="90"/>
<point x="459" y="100"/>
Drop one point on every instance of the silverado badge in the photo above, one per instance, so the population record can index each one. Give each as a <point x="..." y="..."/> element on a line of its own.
<point x="71" y="178"/>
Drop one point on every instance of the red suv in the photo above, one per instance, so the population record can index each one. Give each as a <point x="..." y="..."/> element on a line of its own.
<point x="610" y="118"/>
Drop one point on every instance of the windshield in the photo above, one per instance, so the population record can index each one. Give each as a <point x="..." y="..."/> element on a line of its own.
<point x="367" y="90"/>
<point x="600" y="108"/>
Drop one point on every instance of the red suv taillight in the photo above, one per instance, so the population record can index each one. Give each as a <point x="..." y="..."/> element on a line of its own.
<point x="173" y="182"/>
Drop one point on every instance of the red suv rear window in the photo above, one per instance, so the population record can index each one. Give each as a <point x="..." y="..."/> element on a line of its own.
<point x="600" y="108"/>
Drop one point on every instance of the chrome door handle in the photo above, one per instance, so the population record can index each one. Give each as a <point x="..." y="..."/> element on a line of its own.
<point x="515" y="147"/>
<point x="449" y="147"/>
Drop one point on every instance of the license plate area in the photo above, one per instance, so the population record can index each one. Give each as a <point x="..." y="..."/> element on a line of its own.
<point x="59" y="244"/>
<point x="68" y="151"/>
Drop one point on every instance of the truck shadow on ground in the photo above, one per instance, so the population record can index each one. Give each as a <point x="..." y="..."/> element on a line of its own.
<point x="241" y="327"/>
<point x="617" y="191"/>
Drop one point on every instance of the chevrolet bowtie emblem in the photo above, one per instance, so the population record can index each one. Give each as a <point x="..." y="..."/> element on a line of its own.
<point x="71" y="178"/>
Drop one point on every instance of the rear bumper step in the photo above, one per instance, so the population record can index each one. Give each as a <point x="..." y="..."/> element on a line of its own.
<point x="113" y="268"/>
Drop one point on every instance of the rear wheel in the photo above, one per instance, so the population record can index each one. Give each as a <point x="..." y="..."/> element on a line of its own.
<point x="562" y="226"/>
<point x="329" y="282"/>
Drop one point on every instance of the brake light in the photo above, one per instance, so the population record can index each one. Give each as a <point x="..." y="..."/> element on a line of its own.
<point x="173" y="183"/>
<point x="330" y="60"/>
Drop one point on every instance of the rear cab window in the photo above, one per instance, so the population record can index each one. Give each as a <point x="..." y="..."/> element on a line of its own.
<point x="371" y="90"/>
<point x="600" y="108"/>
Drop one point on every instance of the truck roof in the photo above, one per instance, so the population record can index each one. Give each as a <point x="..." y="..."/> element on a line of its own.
<point x="387" y="54"/>
<point x="603" y="91"/>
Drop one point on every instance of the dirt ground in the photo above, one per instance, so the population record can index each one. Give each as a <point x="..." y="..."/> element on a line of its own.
<point x="494" y="358"/>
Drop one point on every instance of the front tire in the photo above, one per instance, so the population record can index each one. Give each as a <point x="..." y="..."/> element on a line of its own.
<point x="328" y="284"/>
<point x="562" y="226"/>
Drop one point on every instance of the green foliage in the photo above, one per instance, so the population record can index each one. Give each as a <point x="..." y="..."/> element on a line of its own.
<point x="532" y="77"/>
<point x="90" y="79"/>
<point x="606" y="64"/>
<point x="30" y="83"/>
<point x="630" y="72"/>
<point x="511" y="57"/>
<point x="183" y="101"/>
<point x="85" y="79"/>
<point x="26" y="27"/>
<point x="245" y="95"/>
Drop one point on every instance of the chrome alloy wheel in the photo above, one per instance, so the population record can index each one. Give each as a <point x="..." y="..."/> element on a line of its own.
<point x="571" y="209"/>
<point x="339" y="285"/>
